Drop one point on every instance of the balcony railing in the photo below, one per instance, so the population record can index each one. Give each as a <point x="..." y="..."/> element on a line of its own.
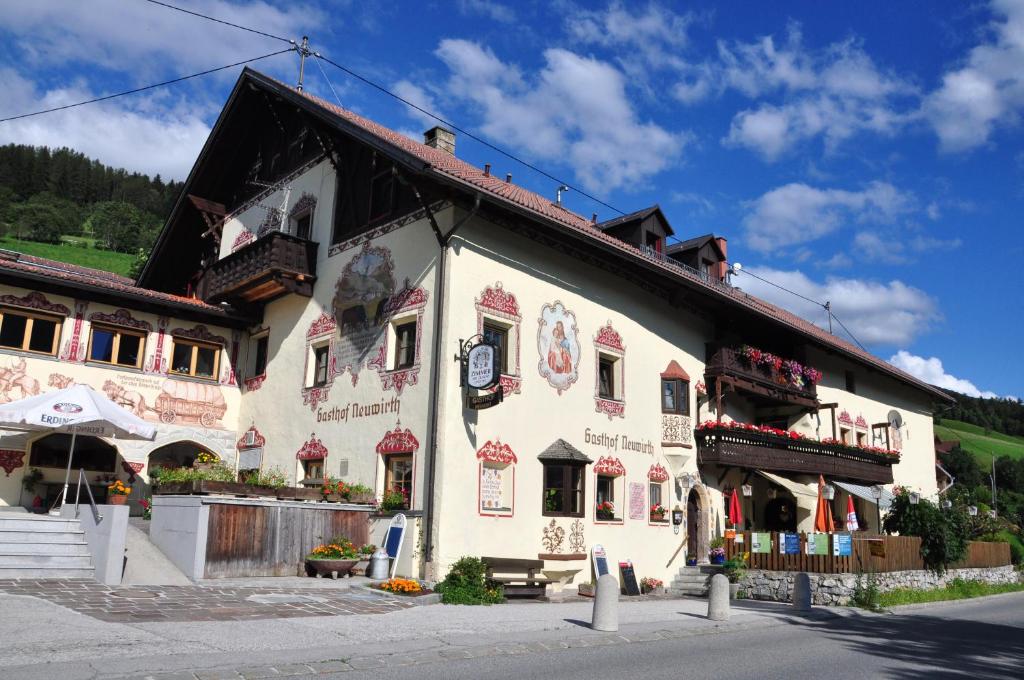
<point x="777" y="454"/>
<point x="765" y="380"/>
<point x="270" y="266"/>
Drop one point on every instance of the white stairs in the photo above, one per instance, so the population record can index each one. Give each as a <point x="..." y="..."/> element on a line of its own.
<point x="43" y="547"/>
<point x="693" y="581"/>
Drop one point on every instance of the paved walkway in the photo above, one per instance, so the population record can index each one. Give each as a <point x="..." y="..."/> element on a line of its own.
<point x="221" y="602"/>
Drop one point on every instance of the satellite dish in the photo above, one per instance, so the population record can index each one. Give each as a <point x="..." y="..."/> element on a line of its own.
<point x="895" y="419"/>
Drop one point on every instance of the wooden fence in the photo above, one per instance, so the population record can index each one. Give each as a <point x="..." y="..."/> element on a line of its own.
<point x="869" y="553"/>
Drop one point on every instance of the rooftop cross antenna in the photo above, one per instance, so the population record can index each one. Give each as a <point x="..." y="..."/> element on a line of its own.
<point x="304" y="52"/>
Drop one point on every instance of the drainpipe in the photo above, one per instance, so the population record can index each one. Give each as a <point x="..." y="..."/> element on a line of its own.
<point x="435" y="369"/>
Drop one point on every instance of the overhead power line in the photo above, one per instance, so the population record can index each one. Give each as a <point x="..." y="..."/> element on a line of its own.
<point x="219" y="21"/>
<point x="143" y="89"/>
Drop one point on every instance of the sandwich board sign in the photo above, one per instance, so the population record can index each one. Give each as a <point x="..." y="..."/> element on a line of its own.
<point x="600" y="561"/>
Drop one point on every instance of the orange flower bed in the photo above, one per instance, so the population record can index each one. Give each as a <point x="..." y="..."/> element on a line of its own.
<point x="402" y="586"/>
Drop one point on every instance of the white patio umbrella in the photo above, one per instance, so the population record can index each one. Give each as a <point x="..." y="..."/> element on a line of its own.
<point x="75" y="410"/>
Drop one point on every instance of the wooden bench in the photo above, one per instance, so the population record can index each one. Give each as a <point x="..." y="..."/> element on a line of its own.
<point x="519" y="577"/>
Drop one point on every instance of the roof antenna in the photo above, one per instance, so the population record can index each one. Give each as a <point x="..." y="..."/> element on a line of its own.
<point x="558" y="195"/>
<point x="304" y="52"/>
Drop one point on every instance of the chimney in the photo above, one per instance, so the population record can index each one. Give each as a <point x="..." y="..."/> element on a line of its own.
<point x="440" y="138"/>
<point x="508" y="178"/>
<point x="487" y="169"/>
<point x="723" y="266"/>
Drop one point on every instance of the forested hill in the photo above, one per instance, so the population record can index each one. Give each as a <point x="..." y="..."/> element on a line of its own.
<point x="76" y="203"/>
<point x="995" y="415"/>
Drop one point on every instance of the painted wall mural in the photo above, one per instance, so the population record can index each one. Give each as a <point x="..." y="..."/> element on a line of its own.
<point x="497" y="303"/>
<point x="409" y="299"/>
<point x="121" y="317"/>
<point x="558" y="345"/>
<point x="158" y="362"/>
<point x="360" y="305"/>
<point x="74" y="348"/>
<point x="313" y="449"/>
<point x="11" y="460"/>
<point x="15" y="382"/>
<point x="176" y="401"/>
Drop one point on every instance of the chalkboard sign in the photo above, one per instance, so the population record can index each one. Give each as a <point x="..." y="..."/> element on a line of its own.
<point x="600" y="561"/>
<point x="629" y="583"/>
<point x="393" y="541"/>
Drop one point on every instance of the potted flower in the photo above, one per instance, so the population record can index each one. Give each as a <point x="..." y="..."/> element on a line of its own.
<point x="393" y="500"/>
<point x="117" y="493"/>
<point x="691" y="560"/>
<point x="649" y="584"/>
<point x="334" y="558"/>
<point x="605" y="511"/>
<point x="147" y="508"/>
<point x="205" y="461"/>
<point x="735" y="568"/>
<point x="658" y="512"/>
<point x="717" y="552"/>
<point x="360" y="493"/>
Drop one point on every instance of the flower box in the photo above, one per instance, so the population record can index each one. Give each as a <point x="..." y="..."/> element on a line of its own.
<point x="603" y="516"/>
<point x="298" y="494"/>
<point x="205" y="486"/>
<point x="363" y="498"/>
<point x="329" y="567"/>
<point x="658" y="518"/>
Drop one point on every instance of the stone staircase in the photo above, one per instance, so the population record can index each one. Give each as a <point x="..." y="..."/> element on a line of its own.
<point x="42" y="546"/>
<point x="693" y="581"/>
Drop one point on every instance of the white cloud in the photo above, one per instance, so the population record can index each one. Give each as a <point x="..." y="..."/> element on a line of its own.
<point x="701" y="204"/>
<point x="876" y="248"/>
<point x="837" y="261"/>
<point x="932" y="372"/>
<point x="488" y="9"/>
<point x="144" y="39"/>
<point x="797" y="213"/>
<point x="550" y="115"/>
<point x="421" y="98"/>
<point x="987" y="89"/>
<point x="154" y="134"/>
<point x="922" y="244"/>
<point x="654" y="33"/>
<point x="877" y="313"/>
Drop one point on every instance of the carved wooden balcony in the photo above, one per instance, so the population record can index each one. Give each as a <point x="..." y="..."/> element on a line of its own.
<point x="771" y="453"/>
<point x="269" y="267"/>
<point x="766" y="381"/>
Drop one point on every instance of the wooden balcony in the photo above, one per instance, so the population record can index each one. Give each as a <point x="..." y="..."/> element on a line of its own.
<point x="729" y="365"/>
<point x="269" y="267"/>
<point x="760" y="451"/>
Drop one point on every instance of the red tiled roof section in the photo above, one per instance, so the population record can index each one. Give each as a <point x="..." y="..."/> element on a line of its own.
<point x="115" y="283"/>
<point x="444" y="162"/>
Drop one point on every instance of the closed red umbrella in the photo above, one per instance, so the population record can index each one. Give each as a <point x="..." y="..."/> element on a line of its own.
<point x="823" y="517"/>
<point x="735" y="511"/>
<point x="851" y="515"/>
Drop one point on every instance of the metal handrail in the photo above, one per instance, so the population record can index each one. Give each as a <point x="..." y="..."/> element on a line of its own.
<point x="92" y="501"/>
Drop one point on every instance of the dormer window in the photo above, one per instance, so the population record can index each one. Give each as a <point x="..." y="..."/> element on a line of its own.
<point x="653" y="242"/>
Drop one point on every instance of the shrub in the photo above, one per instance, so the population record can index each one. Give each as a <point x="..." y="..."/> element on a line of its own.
<point x="943" y="533"/>
<point x="735" y="568"/>
<point x="866" y="593"/>
<point x="393" y="499"/>
<point x="273" y="478"/>
<point x="466" y="583"/>
<point x="218" y="473"/>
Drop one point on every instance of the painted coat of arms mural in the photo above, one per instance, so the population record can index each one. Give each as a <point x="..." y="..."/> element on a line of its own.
<point x="559" y="346"/>
<point x="360" y="306"/>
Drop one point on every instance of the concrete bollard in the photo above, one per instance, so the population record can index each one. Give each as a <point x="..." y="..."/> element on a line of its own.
<point x="802" y="592"/>
<point x="606" y="605"/>
<point x="718" y="598"/>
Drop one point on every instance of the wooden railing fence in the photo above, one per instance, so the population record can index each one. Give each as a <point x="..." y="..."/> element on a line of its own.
<point x="888" y="553"/>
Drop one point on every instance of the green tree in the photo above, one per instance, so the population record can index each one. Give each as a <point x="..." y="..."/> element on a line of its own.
<point x="38" y="222"/>
<point x="121" y="226"/>
<point x="943" y="533"/>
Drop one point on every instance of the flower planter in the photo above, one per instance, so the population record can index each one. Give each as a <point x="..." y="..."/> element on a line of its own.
<point x="605" y="517"/>
<point x="363" y="498"/>
<point x="691" y="561"/>
<point x="298" y="494"/>
<point x="205" y="486"/>
<point x="717" y="559"/>
<point x="117" y="499"/>
<point x="203" y="466"/>
<point x="331" y="568"/>
<point x="658" y="518"/>
<point x="331" y="498"/>
<point x="734" y="589"/>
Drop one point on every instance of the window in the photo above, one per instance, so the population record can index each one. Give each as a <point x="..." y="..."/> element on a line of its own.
<point x="844" y="435"/>
<point x="862" y="438"/>
<point x="405" y="344"/>
<point x="320" y="362"/>
<point x="851" y="383"/>
<point x="195" y="359"/>
<point x="675" y="396"/>
<point x="652" y="241"/>
<point x="563" y="490"/>
<point x="498" y="336"/>
<point x="655" y="491"/>
<point x="606" y="377"/>
<point x="29" y="332"/>
<point x="261" y="349"/>
<point x="303" y="226"/>
<point x="116" y="346"/>
<point x="398" y="475"/>
<point x="313" y="469"/>
<point x="605" y="489"/>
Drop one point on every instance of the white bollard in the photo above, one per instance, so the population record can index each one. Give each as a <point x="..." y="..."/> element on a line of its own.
<point x="606" y="604"/>
<point x="802" y="592"/>
<point x="718" y="598"/>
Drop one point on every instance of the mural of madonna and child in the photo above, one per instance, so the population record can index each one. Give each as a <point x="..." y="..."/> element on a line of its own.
<point x="558" y="345"/>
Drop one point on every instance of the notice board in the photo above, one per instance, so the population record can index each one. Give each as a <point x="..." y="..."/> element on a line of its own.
<point x="600" y="561"/>
<point x="629" y="584"/>
<point x="637" y="502"/>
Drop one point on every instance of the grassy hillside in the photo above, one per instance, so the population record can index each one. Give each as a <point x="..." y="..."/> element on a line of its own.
<point x="107" y="260"/>
<point x="983" y="446"/>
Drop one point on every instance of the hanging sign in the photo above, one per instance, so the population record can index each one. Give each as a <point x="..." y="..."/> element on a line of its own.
<point x="842" y="545"/>
<point x="478" y="402"/>
<point x="877" y="547"/>
<point x="478" y="364"/>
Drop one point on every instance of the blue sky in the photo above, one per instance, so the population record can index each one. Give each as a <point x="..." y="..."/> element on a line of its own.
<point x="864" y="153"/>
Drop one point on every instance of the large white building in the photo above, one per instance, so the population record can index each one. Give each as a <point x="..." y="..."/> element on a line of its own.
<point x="306" y="301"/>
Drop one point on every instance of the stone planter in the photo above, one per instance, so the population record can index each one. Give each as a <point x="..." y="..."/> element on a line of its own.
<point x="330" y="568"/>
<point x="734" y="589"/>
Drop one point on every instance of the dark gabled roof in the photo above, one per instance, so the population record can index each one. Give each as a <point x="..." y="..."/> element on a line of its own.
<point x="447" y="169"/>
<point x="694" y="243"/>
<point x="29" y="270"/>
<point x="638" y="216"/>
<point x="565" y="452"/>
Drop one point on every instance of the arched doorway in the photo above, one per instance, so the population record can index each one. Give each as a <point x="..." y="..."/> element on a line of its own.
<point x="694" y="522"/>
<point x="176" y="454"/>
<point x="780" y="514"/>
<point x="49" y="454"/>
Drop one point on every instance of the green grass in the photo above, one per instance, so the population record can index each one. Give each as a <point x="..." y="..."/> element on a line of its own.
<point x="983" y="446"/>
<point x="956" y="590"/>
<point x="119" y="263"/>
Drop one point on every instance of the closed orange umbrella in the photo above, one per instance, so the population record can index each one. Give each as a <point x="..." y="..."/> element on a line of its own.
<point x="735" y="511"/>
<point x="823" y="517"/>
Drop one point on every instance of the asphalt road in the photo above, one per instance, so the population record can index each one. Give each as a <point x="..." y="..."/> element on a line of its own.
<point x="975" y="639"/>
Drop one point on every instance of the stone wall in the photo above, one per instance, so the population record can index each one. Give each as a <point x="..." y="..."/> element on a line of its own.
<point x="837" y="589"/>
